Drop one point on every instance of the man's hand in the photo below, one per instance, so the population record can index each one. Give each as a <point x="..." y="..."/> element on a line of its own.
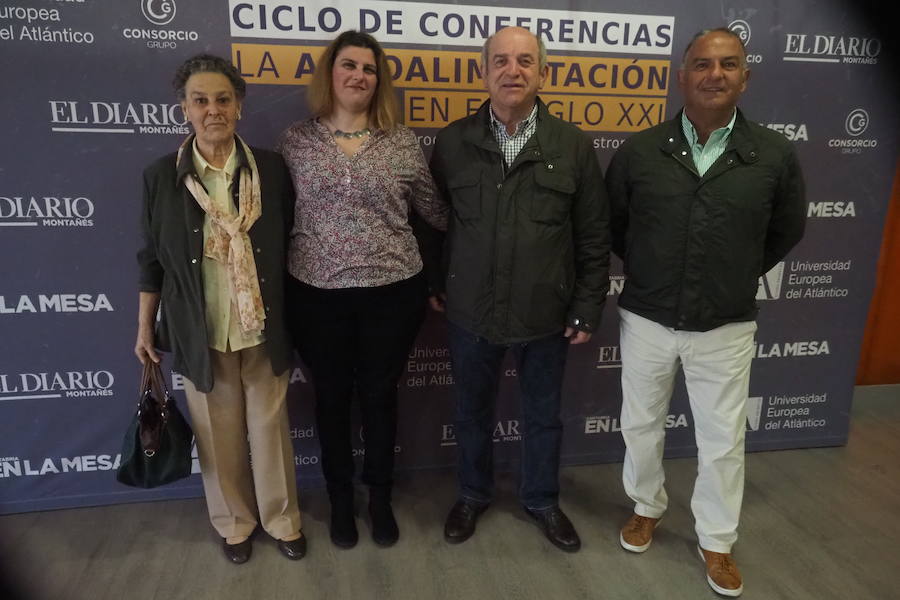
<point x="577" y="337"/>
<point x="438" y="303"/>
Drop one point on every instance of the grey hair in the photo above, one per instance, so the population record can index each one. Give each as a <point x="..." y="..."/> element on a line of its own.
<point x="542" y="50"/>
<point x="723" y="30"/>
<point x="208" y="63"/>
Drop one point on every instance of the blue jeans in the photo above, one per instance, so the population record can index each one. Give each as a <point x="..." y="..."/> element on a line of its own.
<point x="476" y="372"/>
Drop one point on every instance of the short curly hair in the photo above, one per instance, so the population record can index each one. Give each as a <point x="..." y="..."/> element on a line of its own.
<point x="208" y="63"/>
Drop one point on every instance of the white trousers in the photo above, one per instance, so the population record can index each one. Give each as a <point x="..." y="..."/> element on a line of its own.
<point x="716" y="367"/>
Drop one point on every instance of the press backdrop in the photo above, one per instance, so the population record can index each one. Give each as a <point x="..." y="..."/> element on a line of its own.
<point x="87" y="103"/>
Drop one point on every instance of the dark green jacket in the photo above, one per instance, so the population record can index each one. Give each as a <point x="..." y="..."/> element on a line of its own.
<point x="527" y="251"/>
<point x="694" y="247"/>
<point x="170" y="261"/>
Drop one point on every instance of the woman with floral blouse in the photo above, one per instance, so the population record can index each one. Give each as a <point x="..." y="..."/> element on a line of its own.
<point x="357" y="296"/>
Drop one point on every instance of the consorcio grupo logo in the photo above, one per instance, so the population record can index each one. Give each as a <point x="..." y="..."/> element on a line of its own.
<point x="857" y="122"/>
<point x="158" y="12"/>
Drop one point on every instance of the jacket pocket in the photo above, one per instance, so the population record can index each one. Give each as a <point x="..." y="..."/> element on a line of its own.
<point x="465" y="195"/>
<point x="552" y="197"/>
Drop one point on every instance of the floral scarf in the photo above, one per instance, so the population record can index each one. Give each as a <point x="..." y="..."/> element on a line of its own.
<point x="228" y="241"/>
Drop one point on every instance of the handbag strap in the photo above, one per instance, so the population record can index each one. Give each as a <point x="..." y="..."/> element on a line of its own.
<point x="161" y="390"/>
<point x="152" y="379"/>
<point x="145" y="378"/>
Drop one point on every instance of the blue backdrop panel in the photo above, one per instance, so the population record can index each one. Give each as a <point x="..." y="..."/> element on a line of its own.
<point x="88" y="103"/>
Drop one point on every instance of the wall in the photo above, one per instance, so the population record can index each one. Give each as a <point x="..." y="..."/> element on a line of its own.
<point x="880" y="357"/>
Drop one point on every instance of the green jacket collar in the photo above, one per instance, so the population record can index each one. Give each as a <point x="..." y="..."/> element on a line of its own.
<point x="742" y="140"/>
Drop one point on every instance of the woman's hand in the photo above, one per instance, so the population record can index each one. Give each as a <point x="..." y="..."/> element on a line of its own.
<point x="143" y="347"/>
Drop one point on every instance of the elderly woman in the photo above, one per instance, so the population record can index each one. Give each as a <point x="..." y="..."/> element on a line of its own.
<point x="358" y="296"/>
<point x="215" y="219"/>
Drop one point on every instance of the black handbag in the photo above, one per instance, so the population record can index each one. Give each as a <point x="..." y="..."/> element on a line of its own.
<point x="157" y="446"/>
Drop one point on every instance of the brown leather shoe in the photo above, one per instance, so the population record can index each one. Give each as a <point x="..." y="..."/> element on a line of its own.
<point x="637" y="533"/>
<point x="722" y="573"/>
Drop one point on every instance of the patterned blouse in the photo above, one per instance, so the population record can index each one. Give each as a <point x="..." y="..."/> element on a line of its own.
<point x="351" y="225"/>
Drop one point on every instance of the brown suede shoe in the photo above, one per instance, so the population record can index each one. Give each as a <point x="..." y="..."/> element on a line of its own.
<point x="637" y="533"/>
<point x="722" y="573"/>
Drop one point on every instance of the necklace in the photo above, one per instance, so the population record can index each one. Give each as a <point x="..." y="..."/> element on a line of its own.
<point x="349" y="135"/>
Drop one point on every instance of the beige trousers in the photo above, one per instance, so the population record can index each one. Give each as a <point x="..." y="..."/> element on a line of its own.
<point x="244" y="414"/>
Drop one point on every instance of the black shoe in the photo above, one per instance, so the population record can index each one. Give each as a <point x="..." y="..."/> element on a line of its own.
<point x="238" y="553"/>
<point x="384" y="526"/>
<point x="460" y="524"/>
<point x="557" y="527"/>
<point x="294" y="549"/>
<point x="343" y="521"/>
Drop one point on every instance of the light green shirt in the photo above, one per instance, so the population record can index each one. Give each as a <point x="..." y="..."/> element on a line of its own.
<point x="224" y="332"/>
<point x="705" y="155"/>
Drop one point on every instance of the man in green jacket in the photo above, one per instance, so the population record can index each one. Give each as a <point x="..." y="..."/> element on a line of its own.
<point x="701" y="207"/>
<point x="527" y="258"/>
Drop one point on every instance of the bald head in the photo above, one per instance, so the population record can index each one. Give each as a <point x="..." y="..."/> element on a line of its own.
<point x="716" y="31"/>
<point x="514" y="66"/>
<point x="506" y="31"/>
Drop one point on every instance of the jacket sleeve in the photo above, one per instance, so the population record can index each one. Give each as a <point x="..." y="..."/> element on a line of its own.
<point x="289" y="195"/>
<point x="288" y="199"/>
<point x="431" y="240"/>
<point x="788" y="218"/>
<point x="590" y="232"/>
<point x="617" y="190"/>
<point x="151" y="271"/>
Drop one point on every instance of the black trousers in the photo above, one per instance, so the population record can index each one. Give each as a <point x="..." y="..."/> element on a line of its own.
<point x="355" y="342"/>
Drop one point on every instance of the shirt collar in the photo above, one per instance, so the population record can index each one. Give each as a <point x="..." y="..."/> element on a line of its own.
<point x="691" y="133"/>
<point x="203" y="166"/>
<point x="498" y="125"/>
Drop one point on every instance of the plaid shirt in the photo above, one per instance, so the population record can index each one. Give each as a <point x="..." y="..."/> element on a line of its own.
<point x="511" y="145"/>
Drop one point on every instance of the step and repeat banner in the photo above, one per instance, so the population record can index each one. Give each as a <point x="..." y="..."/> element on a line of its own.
<point x="88" y="103"/>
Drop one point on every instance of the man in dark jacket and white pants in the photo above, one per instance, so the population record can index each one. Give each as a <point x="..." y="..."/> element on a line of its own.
<point x="701" y="207"/>
<point x="528" y="254"/>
